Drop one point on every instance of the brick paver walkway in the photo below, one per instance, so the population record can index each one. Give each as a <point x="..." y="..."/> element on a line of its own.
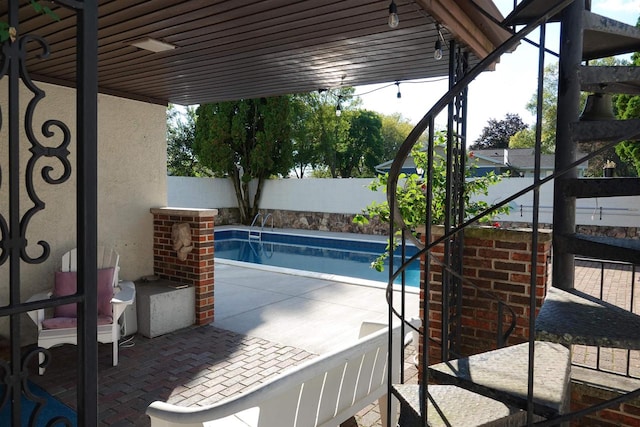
<point x="191" y="367"/>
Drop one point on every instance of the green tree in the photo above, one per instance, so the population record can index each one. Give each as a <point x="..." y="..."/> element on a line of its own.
<point x="246" y="139"/>
<point x="412" y="201"/>
<point x="181" y="158"/>
<point x="628" y="107"/>
<point x="525" y="138"/>
<point x="306" y="154"/>
<point x="332" y="126"/>
<point x="362" y="150"/>
<point x="395" y="130"/>
<point x="496" y="133"/>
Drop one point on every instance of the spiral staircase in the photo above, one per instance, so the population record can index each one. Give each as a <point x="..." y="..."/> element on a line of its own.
<point x="529" y="383"/>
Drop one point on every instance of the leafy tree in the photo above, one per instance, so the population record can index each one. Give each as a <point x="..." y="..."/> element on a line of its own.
<point x="332" y="129"/>
<point x="525" y="138"/>
<point x="246" y="139"/>
<point x="412" y="200"/>
<point x="628" y="107"/>
<point x="181" y="159"/>
<point x="306" y="153"/>
<point x="496" y="133"/>
<point x="395" y="130"/>
<point x="362" y="150"/>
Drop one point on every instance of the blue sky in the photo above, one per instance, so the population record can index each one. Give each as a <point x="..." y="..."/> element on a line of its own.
<point x="493" y="94"/>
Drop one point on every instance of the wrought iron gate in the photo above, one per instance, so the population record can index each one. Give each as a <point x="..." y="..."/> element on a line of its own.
<point x="15" y="219"/>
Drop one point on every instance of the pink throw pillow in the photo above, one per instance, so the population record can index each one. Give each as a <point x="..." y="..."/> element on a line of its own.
<point x="105" y="291"/>
<point x="66" y="285"/>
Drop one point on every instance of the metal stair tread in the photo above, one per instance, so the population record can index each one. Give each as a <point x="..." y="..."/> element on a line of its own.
<point x="607" y="37"/>
<point x="601" y="187"/>
<point x="606" y="130"/>
<point x="573" y="317"/>
<point x="610" y="79"/>
<point x="601" y="247"/>
<point x="456" y="407"/>
<point x="503" y="375"/>
<point x="527" y="11"/>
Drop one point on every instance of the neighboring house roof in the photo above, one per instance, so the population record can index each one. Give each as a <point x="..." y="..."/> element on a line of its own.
<point x="522" y="159"/>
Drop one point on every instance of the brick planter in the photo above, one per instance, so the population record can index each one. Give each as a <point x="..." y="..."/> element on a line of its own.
<point x="497" y="261"/>
<point x="197" y="269"/>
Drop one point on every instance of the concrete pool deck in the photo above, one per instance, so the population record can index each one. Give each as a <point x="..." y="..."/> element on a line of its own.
<point x="316" y="314"/>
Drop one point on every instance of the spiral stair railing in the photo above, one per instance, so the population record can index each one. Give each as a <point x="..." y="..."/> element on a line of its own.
<point x="397" y="223"/>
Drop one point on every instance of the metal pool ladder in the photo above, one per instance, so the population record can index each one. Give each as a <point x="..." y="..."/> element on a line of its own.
<point x="254" y="232"/>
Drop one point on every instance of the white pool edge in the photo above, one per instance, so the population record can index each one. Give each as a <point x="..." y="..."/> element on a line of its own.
<point x="316" y="275"/>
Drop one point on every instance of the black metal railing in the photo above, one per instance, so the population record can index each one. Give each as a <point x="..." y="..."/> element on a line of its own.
<point x="613" y="282"/>
<point x="397" y="223"/>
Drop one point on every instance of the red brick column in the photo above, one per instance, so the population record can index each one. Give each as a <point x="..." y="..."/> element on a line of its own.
<point x="497" y="261"/>
<point x="198" y="269"/>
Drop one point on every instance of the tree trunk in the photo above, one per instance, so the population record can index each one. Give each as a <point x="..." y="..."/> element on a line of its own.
<point x="256" y="198"/>
<point x="238" y="188"/>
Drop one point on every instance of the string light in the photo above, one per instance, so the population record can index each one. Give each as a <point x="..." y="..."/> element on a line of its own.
<point x="338" y="107"/>
<point x="394" y="20"/>
<point x="399" y="95"/>
<point x="437" y="52"/>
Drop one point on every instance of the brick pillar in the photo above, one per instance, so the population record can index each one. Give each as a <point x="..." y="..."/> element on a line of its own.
<point x="498" y="261"/>
<point x="198" y="269"/>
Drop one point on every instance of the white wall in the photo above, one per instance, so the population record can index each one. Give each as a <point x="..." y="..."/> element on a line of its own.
<point x="606" y="211"/>
<point x="131" y="180"/>
<point x="308" y="195"/>
<point x="351" y="196"/>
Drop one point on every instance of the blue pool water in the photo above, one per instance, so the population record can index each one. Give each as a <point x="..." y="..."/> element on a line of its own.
<point x="342" y="257"/>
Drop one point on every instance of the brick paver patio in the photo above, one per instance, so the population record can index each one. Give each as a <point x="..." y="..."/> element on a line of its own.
<point x="196" y="366"/>
<point x="202" y="365"/>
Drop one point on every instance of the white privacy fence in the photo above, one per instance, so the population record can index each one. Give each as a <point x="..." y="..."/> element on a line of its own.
<point x="351" y="196"/>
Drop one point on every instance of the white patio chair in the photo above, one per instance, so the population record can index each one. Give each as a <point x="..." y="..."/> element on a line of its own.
<point x="113" y="298"/>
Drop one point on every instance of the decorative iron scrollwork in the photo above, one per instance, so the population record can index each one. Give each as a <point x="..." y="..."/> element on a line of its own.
<point x="27" y="396"/>
<point x="16" y="389"/>
<point x="17" y="51"/>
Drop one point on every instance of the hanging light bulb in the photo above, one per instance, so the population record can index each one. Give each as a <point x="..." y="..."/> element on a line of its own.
<point x="338" y="107"/>
<point x="399" y="95"/>
<point x="437" y="51"/>
<point x="394" y="20"/>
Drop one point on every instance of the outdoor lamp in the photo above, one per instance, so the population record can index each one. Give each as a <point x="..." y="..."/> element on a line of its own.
<point x="394" y="20"/>
<point x="437" y="52"/>
<point x="399" y="95"/>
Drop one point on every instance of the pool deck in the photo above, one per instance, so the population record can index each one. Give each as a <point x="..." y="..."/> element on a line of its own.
<point x="315" y="314"/>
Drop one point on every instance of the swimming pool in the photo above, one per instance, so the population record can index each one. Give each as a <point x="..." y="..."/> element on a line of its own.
<point x="328" y="255"/>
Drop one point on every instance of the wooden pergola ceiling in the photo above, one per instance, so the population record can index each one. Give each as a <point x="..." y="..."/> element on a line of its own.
<point x="249" y="48"/>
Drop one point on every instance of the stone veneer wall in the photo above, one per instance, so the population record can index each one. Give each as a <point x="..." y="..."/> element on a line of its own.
<point x="301" y="220"/>
<point x="497" y="261"/>
<point x="198" y="269"/>
<point x="344" y="223"/>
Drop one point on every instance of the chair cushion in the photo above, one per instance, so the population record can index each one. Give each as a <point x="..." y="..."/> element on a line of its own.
<point x="71" y="322"/>
<point x="66" y="285"/>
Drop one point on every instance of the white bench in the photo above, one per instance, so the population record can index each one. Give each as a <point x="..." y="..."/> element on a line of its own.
<point x="324" y="391"/>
